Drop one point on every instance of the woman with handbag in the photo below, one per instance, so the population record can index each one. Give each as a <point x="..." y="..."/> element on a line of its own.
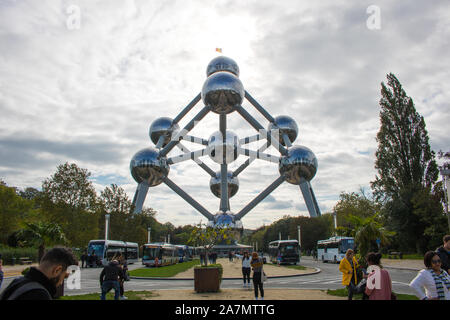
<point x="348" y="267"/>
<point x="433" y="279"/>
<point x="258" y="273"/>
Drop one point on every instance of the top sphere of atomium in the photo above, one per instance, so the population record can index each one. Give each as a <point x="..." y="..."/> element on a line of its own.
<point x="163" y="127"/>
<point x="146" y="167"/>
<point x="222" y="64"/>
<point x="299" y="164"/>
<point x="285" y="125"/>
<point x="223" y="92"/>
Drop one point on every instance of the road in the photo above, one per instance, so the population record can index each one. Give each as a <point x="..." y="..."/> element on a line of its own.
<point x="328" y="278"/>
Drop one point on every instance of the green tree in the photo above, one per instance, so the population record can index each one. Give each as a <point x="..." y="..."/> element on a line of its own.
<point x="208" y="237"/>
<point x="41" y="234"/>
<point x="69" y="199"/>
<point x="405" y="163"/>
<point x="13" y="210"/>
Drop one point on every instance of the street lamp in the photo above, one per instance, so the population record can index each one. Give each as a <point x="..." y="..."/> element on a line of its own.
<point x="149" y="230"/>
<point x="107" y="216"/>
<point x="446" y="184"/>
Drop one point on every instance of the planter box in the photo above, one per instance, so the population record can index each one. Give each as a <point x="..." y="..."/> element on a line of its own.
<point x="206" y="279"/>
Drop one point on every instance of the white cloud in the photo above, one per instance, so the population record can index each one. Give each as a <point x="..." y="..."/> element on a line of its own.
<point x="89" y="95"/>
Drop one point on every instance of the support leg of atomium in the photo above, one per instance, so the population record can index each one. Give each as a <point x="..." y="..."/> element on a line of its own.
<point x="310" y="199"/>
<point x="139" y="196"/>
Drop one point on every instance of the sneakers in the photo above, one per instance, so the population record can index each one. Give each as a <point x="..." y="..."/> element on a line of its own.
<point x="123" y="298"/>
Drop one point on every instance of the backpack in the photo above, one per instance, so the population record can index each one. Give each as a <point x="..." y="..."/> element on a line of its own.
<point x="24" y="288"/>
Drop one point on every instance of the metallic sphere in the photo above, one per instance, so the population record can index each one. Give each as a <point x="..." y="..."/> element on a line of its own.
<point x="285" y="125"/>
<point x="215" y="184"/>
<point x="163" y="127"/>
<point x="146" y="167"/>
<point x="217" y="146"/>
<point x="299" y="164"/>
<point x="223" y="92"/>
<point x="222" y="64"/>
<point x="225" y="220"/>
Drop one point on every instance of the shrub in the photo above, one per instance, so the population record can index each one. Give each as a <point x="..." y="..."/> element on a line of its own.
<point x="9" y="253"/>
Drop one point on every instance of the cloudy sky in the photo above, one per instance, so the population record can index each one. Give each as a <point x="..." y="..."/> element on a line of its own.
<point x="81" y="81"/>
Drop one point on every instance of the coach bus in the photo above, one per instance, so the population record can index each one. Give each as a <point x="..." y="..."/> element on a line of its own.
<point x="159" y="254"/>
<point x="334" y="248"/>
<point x="287" y="250"/>
<point x="106" y="250"/>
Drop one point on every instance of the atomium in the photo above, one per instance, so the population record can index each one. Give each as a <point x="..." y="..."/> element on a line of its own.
<point x="163" y="128"/>
<point x="223" y="93"/>
<point x="232" y="184"/>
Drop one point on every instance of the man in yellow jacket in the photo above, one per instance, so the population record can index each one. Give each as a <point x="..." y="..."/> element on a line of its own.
<point x="348" y="268"/>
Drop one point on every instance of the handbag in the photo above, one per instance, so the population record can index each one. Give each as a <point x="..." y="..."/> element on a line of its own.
<point x="264" y="277"/>
<point x="361" y="287"/>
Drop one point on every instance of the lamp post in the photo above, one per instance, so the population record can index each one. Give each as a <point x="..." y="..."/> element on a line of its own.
<point x="149" y="230"/>
<point x="107" y="216"/>
<point x="335" y="222"/>
<point x="446" y="184"/>
<point x="299" y="238"/>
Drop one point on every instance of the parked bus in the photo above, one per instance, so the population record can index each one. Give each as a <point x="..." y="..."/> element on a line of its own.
<point x="288" y="250"/>
<point x="185" y="253"/>
<point x="334" y="248"/>
<point x="159" y="254"/>
<point x="105" y="250"/>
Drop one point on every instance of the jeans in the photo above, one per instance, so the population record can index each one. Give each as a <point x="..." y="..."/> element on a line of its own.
<point x="351" y="288"/>
<point x="257" y="283"/>
<point x="246" y="274"/>
<point x="108" y="285"/>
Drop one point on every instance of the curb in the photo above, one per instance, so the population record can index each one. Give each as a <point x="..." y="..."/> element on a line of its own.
<point x="401" y="268"/>
<point x="317" y="270"/>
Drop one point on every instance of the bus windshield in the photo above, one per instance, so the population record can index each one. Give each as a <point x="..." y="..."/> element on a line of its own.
<point x="346" y="244"/>
<point x="288" y="248"/>
<point x="97" y="247"/>
<point x="150" y="253"/>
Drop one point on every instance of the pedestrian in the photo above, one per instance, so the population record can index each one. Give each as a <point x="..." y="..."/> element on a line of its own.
<point x="109" y="279"/>
<point x="230" y="256"/>
<point x="246" y="268"/>
<point x="279" y="258"/>
<point x="348" y="267"/>
<point x="124" y="266"/>
<point x="444" y="253"/>
<point x="40" y="283"/>
<point x="377" y="277"/>
<point x="258" y="273"/>
<point x="83" y="259"/>
<point x="433" y="279"/>
<point x="202" y="257"/>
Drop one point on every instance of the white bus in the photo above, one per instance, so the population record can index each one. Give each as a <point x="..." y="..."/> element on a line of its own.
<point x="287" y="250"/>
<point x="159" y="254"/>
<point x="334" y="248"/>
<point x="105" y="250"/>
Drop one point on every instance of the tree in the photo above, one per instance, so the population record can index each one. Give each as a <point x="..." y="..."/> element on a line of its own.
<point x="353" y="204"/>
<point x="405" y="163"/>
<point x="41" y="234"/>
<point x="69" y="199"/>
<point x="208" y="237"/>
<point x="366" y="231"/>
<point x="13" y="209"/>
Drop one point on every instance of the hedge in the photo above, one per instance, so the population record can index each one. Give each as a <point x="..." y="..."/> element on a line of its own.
<point x="8" y="253"/>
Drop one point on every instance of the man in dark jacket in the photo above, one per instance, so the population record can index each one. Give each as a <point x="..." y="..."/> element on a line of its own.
<point x="40" y="283"/>
<point x="109" y="279"/>
<point x="444" y="253"/>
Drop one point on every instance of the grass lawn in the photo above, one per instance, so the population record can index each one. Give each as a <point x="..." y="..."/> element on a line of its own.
<point x="344" y="293"/>
<point x="166" y="271"/>
<point x="131" y="295"/>
<point x="295" y="267"/>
